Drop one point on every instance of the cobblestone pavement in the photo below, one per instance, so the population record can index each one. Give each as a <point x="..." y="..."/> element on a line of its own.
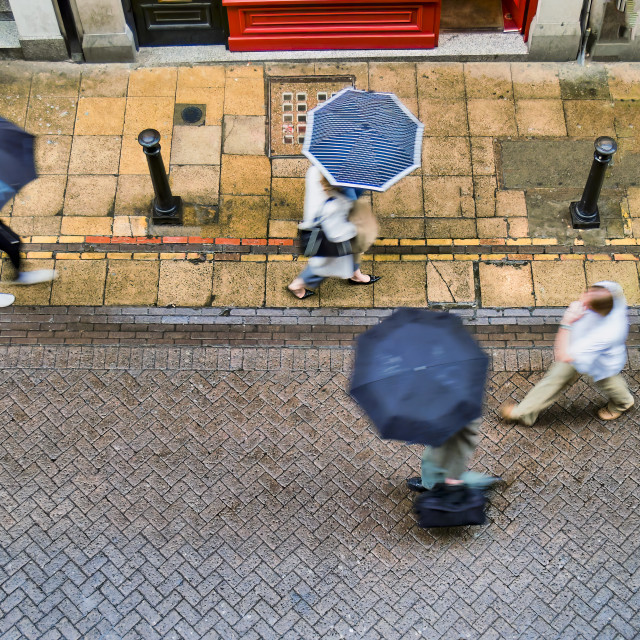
<point x="239" y="493"/>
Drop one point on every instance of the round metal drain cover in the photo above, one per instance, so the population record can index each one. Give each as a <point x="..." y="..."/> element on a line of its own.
<point x="191" y="114"/>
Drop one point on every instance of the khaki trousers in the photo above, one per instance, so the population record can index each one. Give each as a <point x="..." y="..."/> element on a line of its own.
<point x="451" y="459"/>
<point x="558" y="378"/>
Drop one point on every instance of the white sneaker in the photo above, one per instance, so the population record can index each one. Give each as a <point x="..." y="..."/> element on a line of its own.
<point x="35" y="277"/>
<point x="6" y="299"/>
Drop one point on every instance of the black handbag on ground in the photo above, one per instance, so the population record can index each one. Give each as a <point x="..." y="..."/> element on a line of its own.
<point x="450" y="506"/>
<point x="314" y="242"/>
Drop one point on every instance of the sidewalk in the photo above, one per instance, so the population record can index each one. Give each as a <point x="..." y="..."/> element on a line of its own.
<point x="484" y="222"/>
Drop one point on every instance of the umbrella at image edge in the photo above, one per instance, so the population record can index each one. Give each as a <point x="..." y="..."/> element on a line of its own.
<point x="17" y="164"/>
<point x="419" y="376"/>
<point x="363" y="139"/>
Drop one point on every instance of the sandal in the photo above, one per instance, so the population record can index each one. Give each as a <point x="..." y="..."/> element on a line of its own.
<point x="307" y="294"/>
<point x="505" y="411"/>
<point x="604" y="413"/>
<point x="372" y="279"/>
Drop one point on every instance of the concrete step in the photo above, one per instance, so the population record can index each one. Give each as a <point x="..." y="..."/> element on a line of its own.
<point x="9" y="41"/>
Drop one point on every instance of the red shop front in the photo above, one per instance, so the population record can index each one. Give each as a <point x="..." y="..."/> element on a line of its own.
<point x="286" y="25"/>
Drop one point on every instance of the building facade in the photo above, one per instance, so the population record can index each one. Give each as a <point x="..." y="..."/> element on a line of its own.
<point x="113" y="30"/>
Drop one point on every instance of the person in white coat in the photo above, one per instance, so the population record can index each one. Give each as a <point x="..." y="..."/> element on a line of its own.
<point x="591" y="341"/>
<point x="332" y="205"/>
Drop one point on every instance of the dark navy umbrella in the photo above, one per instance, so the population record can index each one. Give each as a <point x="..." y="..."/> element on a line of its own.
<point x="17" y="164"/>
<point x="363" y="139"/>
<point x="420" y="376"/>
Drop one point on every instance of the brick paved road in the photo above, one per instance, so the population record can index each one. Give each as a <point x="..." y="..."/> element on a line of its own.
<point x="176" y="493"/>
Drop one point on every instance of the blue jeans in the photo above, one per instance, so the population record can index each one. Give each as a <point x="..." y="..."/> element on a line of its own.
<point x="313" y="281"/>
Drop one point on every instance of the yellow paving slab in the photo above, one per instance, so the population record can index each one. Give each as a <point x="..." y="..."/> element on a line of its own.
<point x="32" y="295"/>
<point x="90" y="195"/>
<point x="185" y="283"/>
<point x="287" y="198"/>
<point x="244" y="96"/>
<point x="131" y="282"/>
<point x="402" y="284"/>
<point x="440" y="80"/>
<point x="403" y="199"/>
<point x="79" y="282"/>
<point x="450" y="282"/>
<point x="158" y="81"/>
<point x="51" y="115"/>
<point x="491" y="117"/>
<point x="243" y="216"/>
<point x="556" y="284"/>
<point x="201" y="77"/>
<point x="589" y="118"/>
<point x="535" y="80"/>
<point x="240" y="284"/>
<point x="449" y="156"/>
<point x="196" y="145"/>
<point x="245" y="175"/>
<point x="42" y="197"/>
<point x="625" y="273"/>
<point x="52" y="154"/>
<point x="104" y="81"/>
<point x="506" y="285"/>
<point x="95" y="155"/>
<point x="394" y="77"/>
<point x="540" y="118"/>
<point x="100" y="116"/>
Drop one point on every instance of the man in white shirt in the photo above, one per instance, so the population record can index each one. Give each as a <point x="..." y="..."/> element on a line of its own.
<point x="591" y="340"/>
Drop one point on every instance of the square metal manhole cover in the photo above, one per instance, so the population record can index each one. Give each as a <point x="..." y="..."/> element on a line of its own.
<point x="290" y="99"/>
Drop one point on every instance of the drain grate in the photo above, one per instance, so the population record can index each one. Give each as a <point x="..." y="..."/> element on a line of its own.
<point x="189" y="114"/>
<point x="290" y="99"/>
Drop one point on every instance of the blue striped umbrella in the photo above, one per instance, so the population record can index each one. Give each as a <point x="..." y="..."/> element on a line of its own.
<point x="363" y="139"/>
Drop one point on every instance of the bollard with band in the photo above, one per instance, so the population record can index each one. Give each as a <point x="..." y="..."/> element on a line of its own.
<point x="585" y="214"/>
<point x="167" y="208"/>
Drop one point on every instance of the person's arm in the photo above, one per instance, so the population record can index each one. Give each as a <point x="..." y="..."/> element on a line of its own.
<point x="561" y="346"/>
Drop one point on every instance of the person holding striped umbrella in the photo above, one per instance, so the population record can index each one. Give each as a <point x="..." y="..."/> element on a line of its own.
<point x="356" y="141"/>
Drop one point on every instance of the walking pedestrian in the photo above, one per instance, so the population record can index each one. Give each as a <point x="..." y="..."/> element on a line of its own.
<point x="10" y="243"/>
<point x="591" y="341"/>
<point x="332" y="206"/>
<point x="448" y="463"/>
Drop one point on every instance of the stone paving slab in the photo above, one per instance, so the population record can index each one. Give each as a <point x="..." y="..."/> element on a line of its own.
<point x="246" y="496"/>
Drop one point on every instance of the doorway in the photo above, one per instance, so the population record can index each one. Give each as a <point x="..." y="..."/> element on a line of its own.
<point x="465" y="15"/>
<point x="487" y="15"/>
<point x="183" y="22"/>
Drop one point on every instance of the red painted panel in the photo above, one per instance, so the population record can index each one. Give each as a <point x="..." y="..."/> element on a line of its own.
<point x="276" y="25"/>
<point x="531" y="12"/>
<point x="518" y="10"/>
<point x="315" y="19"/>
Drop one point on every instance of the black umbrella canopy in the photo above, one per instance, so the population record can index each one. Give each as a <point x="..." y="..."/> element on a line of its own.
<point x="17" y="164"/>
<point x="420" y="376"/>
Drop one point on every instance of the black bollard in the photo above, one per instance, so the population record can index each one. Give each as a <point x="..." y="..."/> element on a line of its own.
<point x="585" y="214"/>
<point x="167" y="208"/>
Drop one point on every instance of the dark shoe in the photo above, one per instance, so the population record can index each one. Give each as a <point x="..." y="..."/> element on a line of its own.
<point x="373" y="279"/>
<point x="415" y="484"/>
<point x="307" y="293"/>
